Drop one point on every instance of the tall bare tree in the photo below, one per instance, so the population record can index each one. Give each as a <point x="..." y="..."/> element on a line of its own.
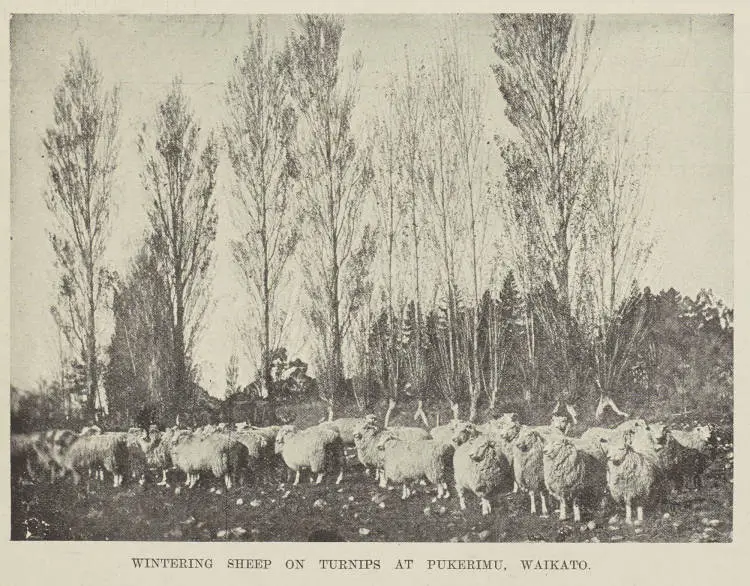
<point x="260" y="138"/>
<point x="82" y="151"/>
<point x="388" y="191"/>
<point x="334" y="180"/>
<point x="180" y="177"/>
<point x="465" y="112"/>
<point x="541" y="73"/>
<point x="410" y="113"/>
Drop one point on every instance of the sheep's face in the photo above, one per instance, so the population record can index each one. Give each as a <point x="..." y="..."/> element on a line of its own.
<point x="705" y="432"/>
<point x="659" y="434"/>
<point x="385" y="440"/>
<point x="616" y="448"/>
<point x="281" y="437"/>
<point x="463" y="432"/>
<point x="526" y="440"/>
<point x="560" y="422"/>
<point x="510" y="431"/>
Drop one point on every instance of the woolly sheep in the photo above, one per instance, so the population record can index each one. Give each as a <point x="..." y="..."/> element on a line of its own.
<point x="317" y="448"/>
<point x="480" y="467"/>
<point x="217" y="453"/>
<point x="571" y="474"/>
<point x="366" y="440"/>
<point x="107" y="451"/>
<point x="688" y="455"/>
<point x="528" y="465"/>
<point x="633" y="477"/>
<point x="406" y="460"/>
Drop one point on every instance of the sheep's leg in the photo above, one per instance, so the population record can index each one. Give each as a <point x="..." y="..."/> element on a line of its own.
<point x="628" y="513"/>
<point x="461" y="501"/>
<point x="228" y="481"/>
<point x="533" y="502"/>
<point x="163" y="478"/>
<point x="486" y="506"/>
<point x="446" y="492"/>
<point x="383" y="481"/>
<point x="639" y="514"/>
<point x="296" y="478"/>
<point x="194" y="479"/>
<point x="340" y="477"/>
<point x="319" y="479"/>
<point x="576" y="512"/>
<point x="440" y="490"/>
<point x="563" y="510"/>
<point x="515" y="486"/>
<point x="545" y="513"/>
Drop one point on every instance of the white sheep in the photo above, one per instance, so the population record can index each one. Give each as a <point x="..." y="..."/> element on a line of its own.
<point x="572" y="474"/>
<point x="27" y="454"/>
<point x="318" y="449"/>
<point x="216" y="453"/>
<point x="366" y="440"/>
<point x="633" y="477"/>
<point x="405" y="461"/>
<point x="528" y="465"/>
<point x="106" y="451"/>
<point x="480" y="467"/>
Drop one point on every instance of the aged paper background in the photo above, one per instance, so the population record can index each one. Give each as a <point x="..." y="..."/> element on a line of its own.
<point x="100" y="563"/>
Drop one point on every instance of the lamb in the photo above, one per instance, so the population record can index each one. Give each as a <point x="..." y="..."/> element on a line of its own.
<point x="316" y="448"/>
<point x="480" y="467"/>
<point x="571" y="474"/>
<point x="108" y="451"/>
<point x="216" y="453"/>
<point x="405" y="461"/>
<point x="633" y="477"/>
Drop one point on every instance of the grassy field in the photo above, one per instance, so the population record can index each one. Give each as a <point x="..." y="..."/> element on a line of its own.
<point x="356" y="510"/>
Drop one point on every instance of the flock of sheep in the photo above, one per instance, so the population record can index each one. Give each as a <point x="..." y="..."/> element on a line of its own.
<point x="634" y="464"/>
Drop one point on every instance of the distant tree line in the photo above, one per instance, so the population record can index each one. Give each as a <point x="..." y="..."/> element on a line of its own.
<point x="441" y="262"/>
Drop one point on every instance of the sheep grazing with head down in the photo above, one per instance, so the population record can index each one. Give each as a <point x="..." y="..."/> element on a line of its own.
<point x="478" y="466"/>
<point x="318" y="449"/>
<point x="406" y="461"/>
<point x="633" y="477"/>
<point x="217" y="454"/>
<point x="98" y="451"/>
<point x="572" y="475"/>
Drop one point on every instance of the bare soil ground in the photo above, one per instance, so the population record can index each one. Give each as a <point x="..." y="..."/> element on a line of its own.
<point x="356" y="510"/>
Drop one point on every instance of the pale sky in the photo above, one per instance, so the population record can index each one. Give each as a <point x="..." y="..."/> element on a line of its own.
<point x="677" y="70"/>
